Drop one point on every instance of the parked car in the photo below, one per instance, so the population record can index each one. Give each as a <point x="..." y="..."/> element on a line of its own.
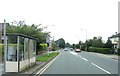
<point x="65" y="49"/>
<point x="71" y="49"/>
<point x="77" y="50"/>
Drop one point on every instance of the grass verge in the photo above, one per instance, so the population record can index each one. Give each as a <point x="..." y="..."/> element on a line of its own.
<point x="46" y="58"/>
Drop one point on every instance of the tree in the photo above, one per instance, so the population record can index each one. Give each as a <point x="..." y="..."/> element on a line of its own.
<point x="73" y="46"/>
<point x="67" y="45"/>
<point x="77" y="46"/>
<point x="33" y="30"/>
<point x="97" y="42"/>
<point x="108" y="44"/>
<point x="61" y="43"/>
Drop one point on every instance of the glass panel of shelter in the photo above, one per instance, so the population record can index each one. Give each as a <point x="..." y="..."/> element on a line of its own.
<point x="26" y="48"/>
<point x="11" y="48"/>
<point x="21" y="48"/>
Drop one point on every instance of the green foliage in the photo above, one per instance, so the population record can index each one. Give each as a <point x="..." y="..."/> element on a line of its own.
<point x="77" y="46"/>
<point x="83" y="46"/>
<point x="61" y="43"/>
<point x="43" y="46"/>
<point x="46" y="58"/>
<point x="33" y="31"/>
<point x="99" y="50"/>
<point x="67" y="45"/>
<point x="2" y="45"/>
<point x="95" y="42"/>
<point x="108" y="44"/>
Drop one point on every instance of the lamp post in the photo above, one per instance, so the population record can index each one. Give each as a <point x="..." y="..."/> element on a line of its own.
<point x="86" y="37"/>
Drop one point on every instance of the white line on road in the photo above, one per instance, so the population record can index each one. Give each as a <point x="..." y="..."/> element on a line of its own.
<point x="73" y="53"/>
<point x="101" y="68"/>
<point x="80" y="56"/>
<point x="46" y="66"/>
<point x="84" y="59"/>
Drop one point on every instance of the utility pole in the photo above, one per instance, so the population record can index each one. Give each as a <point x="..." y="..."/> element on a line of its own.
<point x="5" y="46"/>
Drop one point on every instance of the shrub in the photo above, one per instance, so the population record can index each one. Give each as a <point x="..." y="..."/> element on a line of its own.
<point x="2" y="47"/>
<point x="42" y="46"/>
<point x="99" y="50"/>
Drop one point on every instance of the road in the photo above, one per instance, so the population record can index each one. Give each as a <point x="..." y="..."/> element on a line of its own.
<point x="70" y="62"/>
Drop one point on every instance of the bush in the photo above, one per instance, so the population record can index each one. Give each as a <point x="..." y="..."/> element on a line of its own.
<point x="2" y="47"/>
<point x="99" y="50"/>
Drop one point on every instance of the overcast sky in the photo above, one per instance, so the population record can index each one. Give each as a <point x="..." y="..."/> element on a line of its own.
<point x="98" y="17"/>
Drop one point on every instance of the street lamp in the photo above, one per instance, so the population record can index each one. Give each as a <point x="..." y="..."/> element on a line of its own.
<point x="86" y="37"/>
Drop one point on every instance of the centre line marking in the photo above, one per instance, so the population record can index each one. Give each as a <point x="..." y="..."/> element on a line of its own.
<point x="84" y="59"/>
<point x="101" y="68"/>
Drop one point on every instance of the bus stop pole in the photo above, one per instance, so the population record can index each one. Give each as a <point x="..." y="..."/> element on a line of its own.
<point x="5" y="46"/>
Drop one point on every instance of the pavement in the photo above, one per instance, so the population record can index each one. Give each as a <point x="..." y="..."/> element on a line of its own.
<point x="34" y="68"/>
<point x="37" y="66"/>
<point x="112" y="56"/>
<point x="1" y="68"/>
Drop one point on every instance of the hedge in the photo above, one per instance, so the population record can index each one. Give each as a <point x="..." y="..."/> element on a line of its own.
<point x="2" y="46"/>
<point x="99" y="50"/>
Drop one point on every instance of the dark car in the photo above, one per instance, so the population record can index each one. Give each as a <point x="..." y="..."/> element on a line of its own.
<point x="71" y="49"/>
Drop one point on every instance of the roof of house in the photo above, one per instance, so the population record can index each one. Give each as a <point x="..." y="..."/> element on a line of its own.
<point x="113" y="36"/>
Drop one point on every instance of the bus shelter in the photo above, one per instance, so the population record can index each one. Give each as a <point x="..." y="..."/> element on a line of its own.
<point x="21" y="52"/>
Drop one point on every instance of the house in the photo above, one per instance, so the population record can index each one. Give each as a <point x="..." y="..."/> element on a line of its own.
<point x="115" y="39"/>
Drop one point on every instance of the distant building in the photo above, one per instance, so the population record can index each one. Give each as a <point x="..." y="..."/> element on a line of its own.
<point x="115" y="40"/>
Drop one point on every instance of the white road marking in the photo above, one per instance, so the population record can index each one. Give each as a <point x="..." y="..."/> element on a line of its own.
<point x="101" y="68"/>
<point x="46" y="66"/>
<point x="80" y="56"/>
<point x="73" y="53"/>
<point x="84" y="59"/>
